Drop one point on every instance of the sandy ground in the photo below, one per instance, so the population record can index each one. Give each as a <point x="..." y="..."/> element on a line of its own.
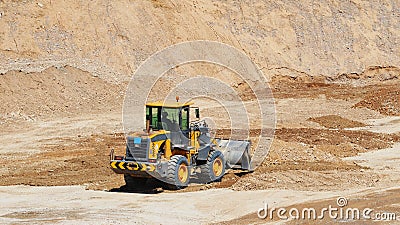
<point x="333" y="67"/>
<point x="75" y="205"/>
<point x="325" y="146"/>
<point x="83" y="206"/>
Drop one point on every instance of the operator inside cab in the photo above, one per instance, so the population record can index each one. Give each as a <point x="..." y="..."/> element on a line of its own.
<point x="172" y="117"/>
<point x="167" y="124"/>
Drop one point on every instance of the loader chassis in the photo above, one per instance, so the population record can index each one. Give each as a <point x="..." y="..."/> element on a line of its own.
<point x="174" y="146"/>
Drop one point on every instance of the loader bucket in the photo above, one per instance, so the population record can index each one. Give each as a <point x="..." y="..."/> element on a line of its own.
<point x="236" y="154"/>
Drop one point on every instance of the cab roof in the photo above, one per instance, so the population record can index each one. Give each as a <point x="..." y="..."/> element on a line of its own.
<point x="169" y="104"/>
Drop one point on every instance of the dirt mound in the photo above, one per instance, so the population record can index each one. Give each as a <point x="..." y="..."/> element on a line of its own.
<point x="85" y="161"/>
<point x="336" y="122"/>
<point x="370" y="76"/>
<point x="55" y="91"/>
<point x="381" y="97"/>
<point x="80" y="161"/>
<point x="310" y="159"/>
<point x="383" y="100"/>
<point x="295" y="89"/>
<point x="299" y="89"/>
<point x="324" y="137"/>
<point x="340" y="178"/>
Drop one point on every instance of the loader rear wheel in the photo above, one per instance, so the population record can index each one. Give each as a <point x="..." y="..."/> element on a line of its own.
<point x="214" y="168"/>
<point x="134" y="182"/>
<point x="178" y="172"/>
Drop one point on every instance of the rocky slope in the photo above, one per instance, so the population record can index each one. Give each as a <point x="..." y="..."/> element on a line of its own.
<point x="111" y="38"/>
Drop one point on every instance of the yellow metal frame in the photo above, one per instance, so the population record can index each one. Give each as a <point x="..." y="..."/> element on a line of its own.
<point x="169" y="104"/>
<point x="155" y="146"/>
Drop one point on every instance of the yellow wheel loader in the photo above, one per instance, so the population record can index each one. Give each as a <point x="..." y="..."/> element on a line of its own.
<point x="175" y="147"/>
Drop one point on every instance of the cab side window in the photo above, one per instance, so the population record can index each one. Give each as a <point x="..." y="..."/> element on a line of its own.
<point x="185" y="119"/>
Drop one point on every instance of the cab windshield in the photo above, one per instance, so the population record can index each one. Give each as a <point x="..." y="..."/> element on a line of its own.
<point x="170" y="119"/>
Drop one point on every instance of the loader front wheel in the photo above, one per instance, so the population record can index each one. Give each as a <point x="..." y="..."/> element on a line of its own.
<point x="178" y="172"/>
<point x="214" y="168"/>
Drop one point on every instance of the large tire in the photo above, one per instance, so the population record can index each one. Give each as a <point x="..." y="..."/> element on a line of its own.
<point x="214" y="168"/>
<point x="178" y="172"/>
<point x="134" y="182"/>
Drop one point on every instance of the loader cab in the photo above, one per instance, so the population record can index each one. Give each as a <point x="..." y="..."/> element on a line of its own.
<point x="173" y="117"/>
